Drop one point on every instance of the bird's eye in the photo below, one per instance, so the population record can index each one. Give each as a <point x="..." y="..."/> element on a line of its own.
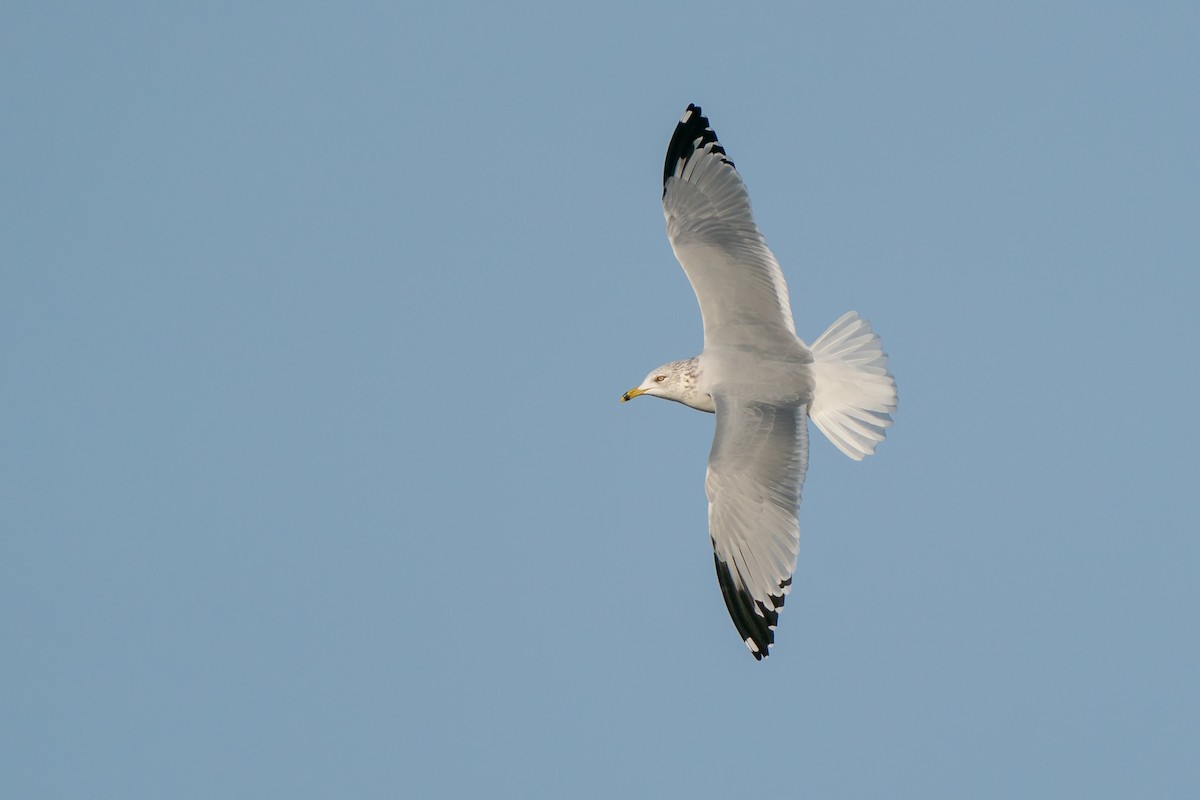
<point x="660" y="378"/>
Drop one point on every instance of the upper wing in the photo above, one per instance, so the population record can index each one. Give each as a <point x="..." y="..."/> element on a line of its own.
<point x="755" y="474"/>
<point x="734" y="274"/>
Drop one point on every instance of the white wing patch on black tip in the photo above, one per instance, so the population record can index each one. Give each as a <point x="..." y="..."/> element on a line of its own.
<point x="692" y="135"/>
<point x="755" y="621"/>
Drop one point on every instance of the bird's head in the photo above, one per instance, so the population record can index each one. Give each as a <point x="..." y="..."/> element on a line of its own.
<point x="675" y="380"/>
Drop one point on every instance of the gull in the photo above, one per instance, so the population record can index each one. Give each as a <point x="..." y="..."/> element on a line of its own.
<point x="760" y="380"/>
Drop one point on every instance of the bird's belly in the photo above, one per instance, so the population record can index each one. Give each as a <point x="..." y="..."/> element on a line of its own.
<point x="783" y="378"/>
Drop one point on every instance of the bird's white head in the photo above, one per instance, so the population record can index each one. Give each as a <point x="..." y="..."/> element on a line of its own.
<point x="675" y="380"/>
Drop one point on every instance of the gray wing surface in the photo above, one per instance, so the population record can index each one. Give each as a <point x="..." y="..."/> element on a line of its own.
<point x="736" y="278"/>
<point x="754" y="479"/>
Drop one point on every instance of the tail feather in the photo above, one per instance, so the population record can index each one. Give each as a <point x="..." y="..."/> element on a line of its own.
<point x="853" y="391"/>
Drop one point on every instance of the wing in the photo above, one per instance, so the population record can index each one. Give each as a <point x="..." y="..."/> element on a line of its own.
<point x="734" y="274"/>
<point x="755" y="474"/>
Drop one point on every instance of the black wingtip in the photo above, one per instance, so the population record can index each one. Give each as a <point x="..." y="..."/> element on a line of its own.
<point x="692" y="133"/>
<point x="755" y="621"/>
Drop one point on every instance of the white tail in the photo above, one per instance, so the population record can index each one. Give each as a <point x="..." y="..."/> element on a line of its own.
<point x="853" y="392"/>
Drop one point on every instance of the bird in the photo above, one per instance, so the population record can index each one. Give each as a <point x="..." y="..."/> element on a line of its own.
<point x="759" y="379"/>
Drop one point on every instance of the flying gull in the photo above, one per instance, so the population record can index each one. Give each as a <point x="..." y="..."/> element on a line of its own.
<point x="762" y="382"/>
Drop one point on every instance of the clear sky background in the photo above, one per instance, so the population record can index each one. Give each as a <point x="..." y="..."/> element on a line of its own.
<point x="313" y="477"/>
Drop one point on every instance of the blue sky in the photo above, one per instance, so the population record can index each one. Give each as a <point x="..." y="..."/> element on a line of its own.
<point x="313" y="478"/>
